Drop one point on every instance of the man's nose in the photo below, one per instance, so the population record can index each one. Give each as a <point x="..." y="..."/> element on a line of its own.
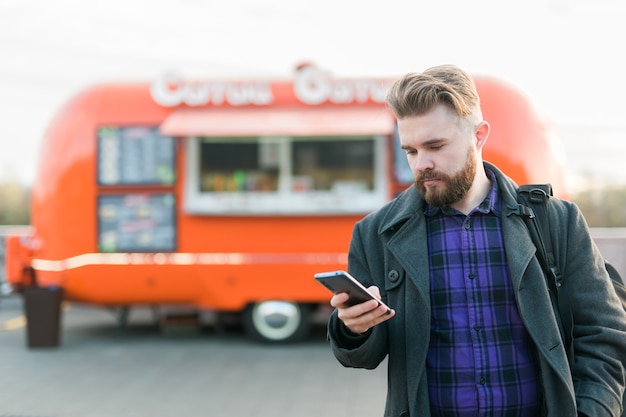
<point x="422" y="163"/>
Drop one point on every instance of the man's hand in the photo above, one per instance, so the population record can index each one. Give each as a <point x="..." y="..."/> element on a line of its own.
<point x="361" y="317"/>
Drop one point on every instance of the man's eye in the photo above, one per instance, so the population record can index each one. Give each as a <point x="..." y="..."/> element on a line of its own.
<point x="410" y="151"/>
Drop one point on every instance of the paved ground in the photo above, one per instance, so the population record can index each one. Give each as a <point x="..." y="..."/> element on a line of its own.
<point x="101" y="371"/>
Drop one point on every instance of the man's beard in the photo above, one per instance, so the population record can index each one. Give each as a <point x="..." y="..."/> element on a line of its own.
<point x="453" y="189"/>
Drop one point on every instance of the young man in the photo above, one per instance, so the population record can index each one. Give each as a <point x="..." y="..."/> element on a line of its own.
<point x="473" y="331"/>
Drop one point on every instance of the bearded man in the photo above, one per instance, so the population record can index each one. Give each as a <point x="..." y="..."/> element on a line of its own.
<point x="473" y="331"/>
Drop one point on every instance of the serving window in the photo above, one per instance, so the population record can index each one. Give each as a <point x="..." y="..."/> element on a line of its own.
<point x="243" y="165"/>
<point x="334" y="165"/>
<point x="265" y="175"/>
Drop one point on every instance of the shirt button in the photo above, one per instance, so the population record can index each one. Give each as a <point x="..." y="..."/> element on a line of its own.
<point x="471" y="276"/>
<point x="467" y="226"/>
<point x="477" y="328"/>
<point x="482" y="381"/>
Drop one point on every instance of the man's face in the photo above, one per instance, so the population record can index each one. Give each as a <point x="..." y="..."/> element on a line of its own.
<point x="441" y="155"/>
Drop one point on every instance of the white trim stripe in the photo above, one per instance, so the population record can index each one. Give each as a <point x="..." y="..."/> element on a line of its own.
<point x="225" y="258"/>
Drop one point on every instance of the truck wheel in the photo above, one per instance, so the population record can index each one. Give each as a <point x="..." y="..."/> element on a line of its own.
<point x="277" y="321"/>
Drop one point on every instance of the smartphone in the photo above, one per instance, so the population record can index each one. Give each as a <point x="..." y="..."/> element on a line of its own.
<point x="341" y="281"/>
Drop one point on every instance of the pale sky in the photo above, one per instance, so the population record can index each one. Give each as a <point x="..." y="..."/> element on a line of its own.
<point x="567" y="56"/>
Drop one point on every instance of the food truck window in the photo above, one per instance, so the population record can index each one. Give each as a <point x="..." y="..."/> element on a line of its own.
<point x="290" y="175"/>
<point x="135" y="155"/>
<point x="242" y="165"/>
<point x="136" y="223"/>
<point x="327" y="165"/>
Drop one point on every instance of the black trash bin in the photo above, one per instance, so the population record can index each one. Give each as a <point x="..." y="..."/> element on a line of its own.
<point x="43" y="315"/>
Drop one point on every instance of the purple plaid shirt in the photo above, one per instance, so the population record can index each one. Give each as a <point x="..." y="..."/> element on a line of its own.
<point x="480" y="360"/>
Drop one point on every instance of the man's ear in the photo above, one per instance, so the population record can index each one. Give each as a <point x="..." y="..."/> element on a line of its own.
<point x="481" y="133"/>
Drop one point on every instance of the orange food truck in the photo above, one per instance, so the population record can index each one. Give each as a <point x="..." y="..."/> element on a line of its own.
<point x="228" y="195"/>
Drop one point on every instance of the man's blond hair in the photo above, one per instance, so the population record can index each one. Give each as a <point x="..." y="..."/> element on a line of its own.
<point x="416" y="94"/>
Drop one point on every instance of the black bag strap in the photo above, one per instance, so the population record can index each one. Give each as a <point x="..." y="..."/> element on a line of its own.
<point x="533" y="208"/>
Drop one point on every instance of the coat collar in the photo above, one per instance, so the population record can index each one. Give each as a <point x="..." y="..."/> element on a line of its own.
<point x="410" y="202"/>
<point x="410" y="242"/>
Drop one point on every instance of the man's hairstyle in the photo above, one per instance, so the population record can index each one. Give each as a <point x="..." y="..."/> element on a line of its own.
<point x="416" y="94"/>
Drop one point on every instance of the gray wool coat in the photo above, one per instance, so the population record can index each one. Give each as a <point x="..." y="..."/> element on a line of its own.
<point x="388" y="249"/>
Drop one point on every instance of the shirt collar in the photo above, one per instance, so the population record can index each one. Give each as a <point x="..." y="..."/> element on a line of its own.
<point x="491" y="203"/>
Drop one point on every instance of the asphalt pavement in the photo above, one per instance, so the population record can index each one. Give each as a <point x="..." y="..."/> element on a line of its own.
<point x="144" y="370"/>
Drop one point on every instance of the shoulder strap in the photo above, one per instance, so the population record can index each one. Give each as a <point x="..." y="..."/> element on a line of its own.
<point x="533" y="207"/>
<point x="534" y="199"/>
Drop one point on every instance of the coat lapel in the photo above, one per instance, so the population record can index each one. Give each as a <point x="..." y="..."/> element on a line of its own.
<point x="408" y="244"/>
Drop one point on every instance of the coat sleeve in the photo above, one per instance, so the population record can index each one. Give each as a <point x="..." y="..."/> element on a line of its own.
<point x="599" y="318"/>
<point x="358" y="351"/>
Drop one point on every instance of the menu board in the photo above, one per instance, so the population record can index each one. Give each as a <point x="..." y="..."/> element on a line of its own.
<point x="136" y="223"/>
<point x="135" y="155"/>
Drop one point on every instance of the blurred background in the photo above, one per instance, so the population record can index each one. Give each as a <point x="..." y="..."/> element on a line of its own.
<point x="565" y="55"/>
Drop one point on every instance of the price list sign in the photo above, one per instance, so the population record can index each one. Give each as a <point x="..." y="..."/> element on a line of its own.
<point x="136" y="223"/>
<point x="135" y="155"/>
